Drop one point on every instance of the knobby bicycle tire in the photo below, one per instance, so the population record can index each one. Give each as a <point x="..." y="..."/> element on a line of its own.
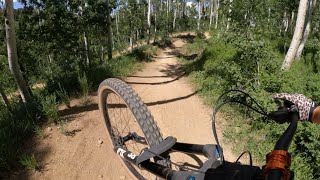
<point x="137" y="107"/>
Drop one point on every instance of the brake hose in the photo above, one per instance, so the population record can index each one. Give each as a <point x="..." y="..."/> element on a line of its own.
<point x="217" y="106"/>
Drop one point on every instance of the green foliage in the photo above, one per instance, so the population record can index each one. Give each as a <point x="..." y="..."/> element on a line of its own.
<point x="195" y="47"/>
<point x="50" y="108"/>
<point x="200" y="35"/>
<point x="15" y="127"/>
<point x="164" y="42"/>
<point x="29" y="162"/>
<point x="144" y="52"/>
<point x="122" y="66"/>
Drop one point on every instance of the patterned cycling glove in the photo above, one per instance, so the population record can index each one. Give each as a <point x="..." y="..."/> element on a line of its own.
<point x="305" y="105"/>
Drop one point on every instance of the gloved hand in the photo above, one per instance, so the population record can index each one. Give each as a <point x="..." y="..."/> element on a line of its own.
<point x="304" y="104"/>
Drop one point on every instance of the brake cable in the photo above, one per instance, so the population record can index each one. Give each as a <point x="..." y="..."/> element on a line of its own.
<point x="217" y="106"/>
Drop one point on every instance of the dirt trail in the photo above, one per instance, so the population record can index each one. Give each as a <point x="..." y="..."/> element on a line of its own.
<point x="175" y="105"/>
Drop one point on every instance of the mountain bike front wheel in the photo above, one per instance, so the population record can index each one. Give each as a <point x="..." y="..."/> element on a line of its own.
<point x="124" y="112"/>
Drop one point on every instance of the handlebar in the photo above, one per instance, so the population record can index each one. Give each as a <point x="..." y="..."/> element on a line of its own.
<point x="285" y="140"/>
<point x="279" y="160"/>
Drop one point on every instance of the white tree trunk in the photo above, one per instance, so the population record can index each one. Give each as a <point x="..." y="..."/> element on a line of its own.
<point x="50" y="58"/>
<point x="211" y="14"/>
<point x="149" y="21"/>
<point x="168" y="10"/>
<point x="117" y="24"/>
<point x="109" y="31"/>
<point x="86" y="46"/>
<point x="229" y="11"/>
<point x="174" y="15"/>
<point x="131" y="42"/>
<point x="12" y="52"/>
<point x="286" y="22"/>
<point x="269" y="15"/>
<point x="217" y="13"/>
<point x="155" y="21"/>
<point x="297" y="36"/>
<point x="102" y="54"/>
<point x="199" y="14"/>
<point x="312" y="5"/>
<point x="291" y="21"/>
<point x="117" y="28"/>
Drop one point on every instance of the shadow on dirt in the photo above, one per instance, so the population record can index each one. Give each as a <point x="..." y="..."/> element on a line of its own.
<point x="31" y="147"/>
<point x="158" y="83"/>
<point x="94" y="107"/>
<point x="77" y="110"/>
<point x="151" y="76"/>
<point x="179" y="54"/>
<point x="174" y="71"/>
<point x="171" y="100"/>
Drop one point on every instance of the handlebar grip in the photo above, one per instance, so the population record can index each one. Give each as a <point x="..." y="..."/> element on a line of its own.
<point x="281" y="115"/>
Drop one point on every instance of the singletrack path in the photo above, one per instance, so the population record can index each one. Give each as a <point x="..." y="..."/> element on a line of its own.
<point x="173" y="102"/>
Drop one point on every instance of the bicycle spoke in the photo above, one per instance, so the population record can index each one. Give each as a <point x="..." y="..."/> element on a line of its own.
<point x="124" y="123"/>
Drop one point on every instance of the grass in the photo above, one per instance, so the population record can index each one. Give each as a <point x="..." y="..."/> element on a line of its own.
<point x="38" y="131"/>
<point x="62" y="127"/>
<point x="29" y="162"/>
<point x="84" y="86"/>
<point x="50" y="108"/>
<point x="63" y="95"/>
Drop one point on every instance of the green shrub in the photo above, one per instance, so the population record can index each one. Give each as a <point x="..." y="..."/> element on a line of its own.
<point x="164" y="42"/>
<point x="144" y="52"/>
<point x="200" y="35"/>
<point x="49" y="108"/>
<point x="193" y="50"/>
<point x="123" y="66"/>
<point x="99" y="73"/>
<point x="118" y="67"/>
